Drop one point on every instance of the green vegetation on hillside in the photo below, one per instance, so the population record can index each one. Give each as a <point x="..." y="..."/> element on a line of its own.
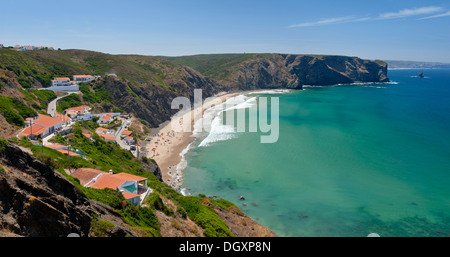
<point x="15" y="111"/>
<point x="69" y="101"/>
<point x="94" y="93"/>
<point x="44" y="97"/>
<point x="216" y="66"/>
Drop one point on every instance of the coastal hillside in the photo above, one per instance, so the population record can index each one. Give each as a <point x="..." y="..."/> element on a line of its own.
<point x="36" y="181"/>
<point x="40" y="198"/>
<point x="254" y="71"/>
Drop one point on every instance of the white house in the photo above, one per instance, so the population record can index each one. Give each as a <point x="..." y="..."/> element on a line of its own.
<point x="41" y="126"/>
<point x="133" y="188"/>
<point x="64" y="81"/>
<point x="129" y="140"/>
<point x="82" y="78"/>
<point x="105" y="119"/>
<point x="77" y="111"/>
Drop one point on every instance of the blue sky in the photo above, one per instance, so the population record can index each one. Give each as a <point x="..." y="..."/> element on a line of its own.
<point x="382" y="29"/>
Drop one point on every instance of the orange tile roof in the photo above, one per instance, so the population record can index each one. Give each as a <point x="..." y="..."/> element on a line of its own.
<point x="82" y="76"/>
<point x="129" y="177"/>
<point x="86" y="174"/>
<point x="87" y="135"/>
<point x="56" y="146"/>
<point x="77" y="108"/>
<point x="63" y="78"/>
<point x="107" y="116"/>
<point x="107" y="180"/>
<point x="129" y="195"/>
<point x="128" y="137"/>
<point x="67" y="152"/>
<point x="127" y="132"/>
<point x="36" y="129"/>
<point x="100" y="130"/>
<point x="110" y="137"/>
<point x="46" y="121"/>
<point x="62" y="117"/>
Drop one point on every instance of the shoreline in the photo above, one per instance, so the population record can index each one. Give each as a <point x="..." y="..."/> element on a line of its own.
<point x="170" y="146"/>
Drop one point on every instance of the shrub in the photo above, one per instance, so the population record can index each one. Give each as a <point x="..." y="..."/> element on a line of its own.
<point x="99" y="227"/>
<point x="3" y="144"/>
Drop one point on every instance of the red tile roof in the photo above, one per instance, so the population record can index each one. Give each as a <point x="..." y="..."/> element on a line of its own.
<point x="110" y="137"/>
<point x="107" y="181"/>
<point x="82" y="76"/>
<point x="46" y="121"/>
<point x="36" y="129"/>
<point x="129" y="195"/>
<point x="55" y="146"/>
<point x="77" y="108"/>
<point x="67" y="152"/>
<point x="62" y="117"/>
<point x="86" y="174"/>
<point x="101" y="130"/>
<point x="63" y="78"/>
<point x="107" y="116"/>
<point x="127" y="132"/>
<point x="129" y="177"/>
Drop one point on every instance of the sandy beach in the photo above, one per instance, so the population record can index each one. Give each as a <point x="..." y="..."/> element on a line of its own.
<point x="168" y="143"/>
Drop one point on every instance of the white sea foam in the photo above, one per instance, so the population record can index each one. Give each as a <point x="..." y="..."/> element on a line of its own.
<point x="185" y="191"/>
<point x="212" y="120"/>
<point x="364" y="84"/>
<point x="218" y="132"/>
<point x="271" y="91"/>
<point x="177" y="173"/>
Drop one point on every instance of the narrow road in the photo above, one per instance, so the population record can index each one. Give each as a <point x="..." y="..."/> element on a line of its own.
<point x="51" y="109"/>
<point x="121" y="143"/>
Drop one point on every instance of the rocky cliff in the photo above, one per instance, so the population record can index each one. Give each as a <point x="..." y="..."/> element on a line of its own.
<point x="36" y="200"/>
<point x="256" y="71"/>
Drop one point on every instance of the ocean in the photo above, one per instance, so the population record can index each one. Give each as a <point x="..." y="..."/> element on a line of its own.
<point x="350" y="159"/>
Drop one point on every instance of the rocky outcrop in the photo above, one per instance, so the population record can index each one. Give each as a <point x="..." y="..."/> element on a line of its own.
<point x="37" y="201"/>
<point x="295" y="71"/>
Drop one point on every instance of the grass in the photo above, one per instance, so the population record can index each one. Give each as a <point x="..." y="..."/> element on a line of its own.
<point x="69" y="101"/>
<point x="15" y="111"/>
<point x="216" y="66"/>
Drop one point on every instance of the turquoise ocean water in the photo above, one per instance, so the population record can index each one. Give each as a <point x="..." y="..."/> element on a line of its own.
<point x="350" y="159"/>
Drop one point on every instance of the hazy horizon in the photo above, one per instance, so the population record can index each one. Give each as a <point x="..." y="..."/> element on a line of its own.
<point x="402" y="30"/>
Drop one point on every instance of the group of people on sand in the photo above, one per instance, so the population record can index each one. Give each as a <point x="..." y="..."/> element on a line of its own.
<point x="162" y="139"/>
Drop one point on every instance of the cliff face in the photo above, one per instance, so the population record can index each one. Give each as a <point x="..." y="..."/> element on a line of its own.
<point x="37" y="201"/>
<point x="153" y="103"/>
<point x="257" y="71"/>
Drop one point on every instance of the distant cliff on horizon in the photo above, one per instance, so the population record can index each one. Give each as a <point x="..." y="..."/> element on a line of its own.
<point x="395" y="64"/>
